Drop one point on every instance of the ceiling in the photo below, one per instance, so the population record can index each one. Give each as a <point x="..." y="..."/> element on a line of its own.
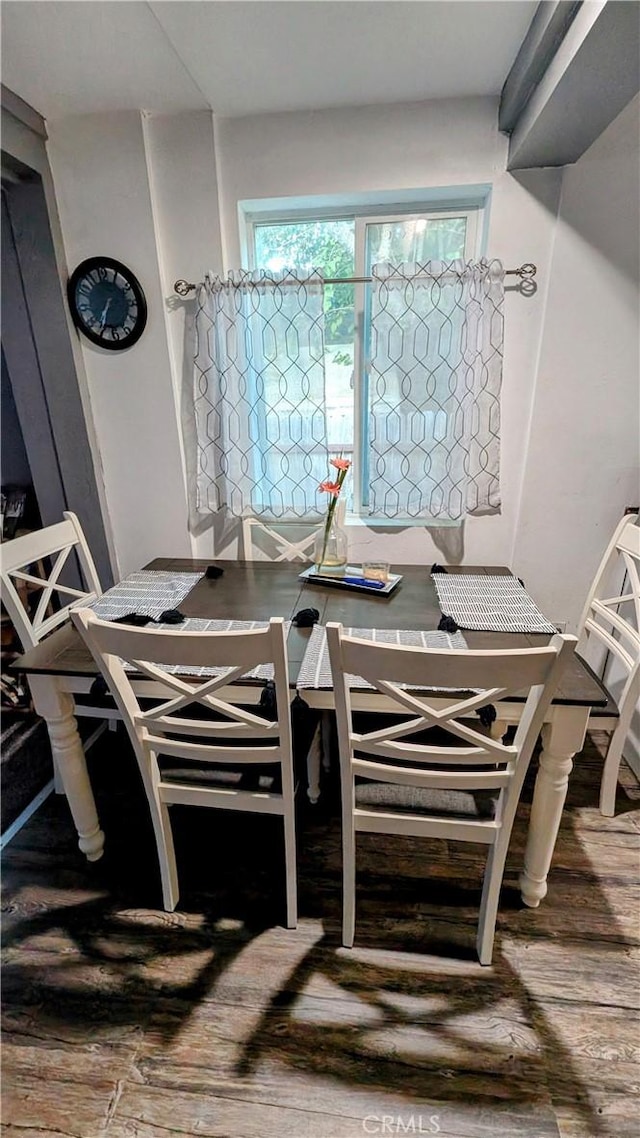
<point x="242" y="58"/>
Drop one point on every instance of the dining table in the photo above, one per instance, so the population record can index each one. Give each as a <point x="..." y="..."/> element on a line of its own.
<point x="62" y="671"/>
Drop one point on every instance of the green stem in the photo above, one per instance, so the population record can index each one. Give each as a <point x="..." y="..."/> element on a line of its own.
<point x="330" y="512"/>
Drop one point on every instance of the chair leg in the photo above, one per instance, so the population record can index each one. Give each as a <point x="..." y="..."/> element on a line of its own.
<point x="348" y="880"/>
<point x="57" y="779"/>
<point x="314" y="758"/>
<point x="290" y="865"/>
<point x="490" y="898"/>
<point x="609" y="784"/>
<point x="166" y="856"/>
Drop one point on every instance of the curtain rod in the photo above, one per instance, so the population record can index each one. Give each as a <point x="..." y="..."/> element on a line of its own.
<point x="526" y="273"/>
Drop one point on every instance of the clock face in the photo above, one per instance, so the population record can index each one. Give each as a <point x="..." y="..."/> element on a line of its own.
<point x="107" y="303"/>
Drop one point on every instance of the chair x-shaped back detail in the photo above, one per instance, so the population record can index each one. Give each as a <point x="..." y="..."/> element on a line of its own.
<point x="17" y="559"/>
<point x="286" y="550"/>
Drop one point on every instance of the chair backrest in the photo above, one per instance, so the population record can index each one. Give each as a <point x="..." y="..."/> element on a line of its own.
<point x="611" y="617"/>
<point x="274" y="544"/>
<point x="167" y="728"/>
<point x="18" y="560"/>
<point x="480" y="763"/>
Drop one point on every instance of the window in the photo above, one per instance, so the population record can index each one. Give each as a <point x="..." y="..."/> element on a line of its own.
<point x="348" y="247"/>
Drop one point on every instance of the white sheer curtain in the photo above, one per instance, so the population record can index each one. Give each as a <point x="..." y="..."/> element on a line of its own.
<point x="434" y="389"/>
<point x="259" y="395"/>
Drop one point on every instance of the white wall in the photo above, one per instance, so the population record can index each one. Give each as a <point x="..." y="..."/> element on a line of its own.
<point x="352" y="149"/>
<point x="444" y="143"/>
<point x="147" y="190"/>
<point x="180" y="151"/>
<point x="582" y="466"/>
<point x="125" y="188"/>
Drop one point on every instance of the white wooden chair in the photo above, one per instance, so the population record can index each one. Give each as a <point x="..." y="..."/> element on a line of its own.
<point x="609" y="639"/>
<point x="201" y="744"/>
<point x="17" y="561"/>
<point x="22" y="560"/>
<point x="276" y="546"/>
<point x="465" y="793"/>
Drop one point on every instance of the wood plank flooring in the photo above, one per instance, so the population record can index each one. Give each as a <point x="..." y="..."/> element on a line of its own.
<point x="121" y="1021"/>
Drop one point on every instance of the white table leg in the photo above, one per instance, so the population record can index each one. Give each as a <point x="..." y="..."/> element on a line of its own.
<point x="562" y="738"/>
<point x="326" y="730"/>
<point x="498" y="729"/>
<point x="56" y="708"/>
<point x="314" y="759"/>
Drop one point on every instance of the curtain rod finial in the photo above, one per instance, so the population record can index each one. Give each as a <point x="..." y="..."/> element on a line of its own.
<point x="183" y="288"/>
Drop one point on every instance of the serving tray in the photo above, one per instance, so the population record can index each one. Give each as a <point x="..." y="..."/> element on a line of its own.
<point x="352" y="580"/>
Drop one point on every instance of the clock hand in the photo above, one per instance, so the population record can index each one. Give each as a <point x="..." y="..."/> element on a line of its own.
<point x="103" y="318"/>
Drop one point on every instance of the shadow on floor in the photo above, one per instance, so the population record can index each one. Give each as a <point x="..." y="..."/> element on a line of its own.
<point x="408" y="1012"/>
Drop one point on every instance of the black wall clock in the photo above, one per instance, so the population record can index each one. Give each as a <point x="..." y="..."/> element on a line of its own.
<point x="107" y="303"/>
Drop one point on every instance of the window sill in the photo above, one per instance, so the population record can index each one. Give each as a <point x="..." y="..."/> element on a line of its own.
<point x="357" y="520"/>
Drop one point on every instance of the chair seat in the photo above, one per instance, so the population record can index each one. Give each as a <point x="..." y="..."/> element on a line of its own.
<point x="461" y="804"/>
<point x="262" y="778"/>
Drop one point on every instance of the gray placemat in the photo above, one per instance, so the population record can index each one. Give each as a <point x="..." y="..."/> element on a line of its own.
<point x="151" y="591"/>
<point x="489" y="603"/>
<point x="197" y="624"/>
<point x="315" y="670"/>
<point x="148" y="592"/>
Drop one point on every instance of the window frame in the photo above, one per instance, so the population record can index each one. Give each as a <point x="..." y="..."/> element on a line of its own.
<point x="473" y="205"/>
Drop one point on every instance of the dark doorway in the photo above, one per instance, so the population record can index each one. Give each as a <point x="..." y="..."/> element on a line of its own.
<point x="39" y="378"/>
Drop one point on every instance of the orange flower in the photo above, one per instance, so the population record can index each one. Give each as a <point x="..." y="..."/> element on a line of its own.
<point x="340" y="463"/>
<point x="330" y="487"/>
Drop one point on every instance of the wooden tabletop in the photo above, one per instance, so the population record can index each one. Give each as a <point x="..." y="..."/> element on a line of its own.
<point x="258" y="590"/>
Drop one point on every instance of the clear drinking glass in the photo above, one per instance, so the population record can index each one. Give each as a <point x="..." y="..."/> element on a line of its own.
<point x="375" y="570"/>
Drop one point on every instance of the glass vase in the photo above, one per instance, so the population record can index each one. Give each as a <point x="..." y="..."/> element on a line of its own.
<point x="330" y="549"/>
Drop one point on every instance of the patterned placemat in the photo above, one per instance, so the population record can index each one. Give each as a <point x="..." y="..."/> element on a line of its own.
<point x="315" y="670"/>
<point x="489" y="603"/>
<point x="148" y="592"/>
<point x="196" y="624"/>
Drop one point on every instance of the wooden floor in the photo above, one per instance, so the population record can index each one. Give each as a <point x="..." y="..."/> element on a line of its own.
<point x="125" y="1022"/>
